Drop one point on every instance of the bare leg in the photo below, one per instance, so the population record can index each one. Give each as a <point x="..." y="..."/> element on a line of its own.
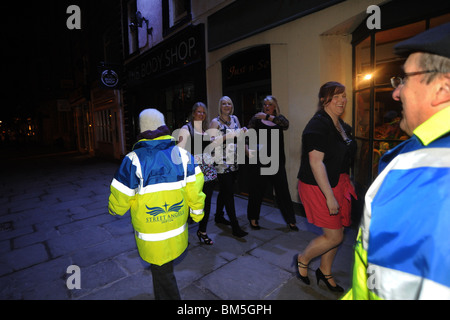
<point x="325" y="246"/>
<point x="325" y="264"/>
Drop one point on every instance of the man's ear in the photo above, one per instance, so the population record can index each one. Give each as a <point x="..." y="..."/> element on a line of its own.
<point x="442" y="93"/>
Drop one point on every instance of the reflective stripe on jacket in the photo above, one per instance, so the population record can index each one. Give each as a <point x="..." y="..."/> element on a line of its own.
<point x="402" y="249"/>
<point x="161" y="185"/>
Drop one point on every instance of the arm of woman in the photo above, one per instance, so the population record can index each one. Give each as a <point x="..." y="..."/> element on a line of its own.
<point x="240" y="129"/>
<point x="183" y="137"/>
<point x="216" y="135"/>
<point x="320" y="174"/>
<point x="281" y="121"/>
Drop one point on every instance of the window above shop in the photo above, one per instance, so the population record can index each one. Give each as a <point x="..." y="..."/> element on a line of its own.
<point x="175" y="14"/>
<point x="132" y="31"/>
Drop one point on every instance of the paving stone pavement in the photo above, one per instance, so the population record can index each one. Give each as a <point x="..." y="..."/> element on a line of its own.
<point x="54" y="215"/>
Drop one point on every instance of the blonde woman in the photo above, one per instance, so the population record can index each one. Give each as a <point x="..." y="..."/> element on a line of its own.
<point x="271" y="120"/>
<point x="227" y="128"/>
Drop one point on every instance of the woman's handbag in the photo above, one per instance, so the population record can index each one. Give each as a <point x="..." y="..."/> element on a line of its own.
<point x="204" y="160"/>
<point x="207" y="166"/>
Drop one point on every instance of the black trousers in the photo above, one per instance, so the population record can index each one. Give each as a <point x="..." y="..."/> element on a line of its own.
<point x="208" y="189"/>
<point x="164" y="282"/>
<point x="280" y="185"/>
<point x="225" y="198"/>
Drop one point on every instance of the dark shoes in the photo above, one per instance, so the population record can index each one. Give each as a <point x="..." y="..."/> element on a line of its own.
<point x="219" y="218"/>
<point x="324" y="278"/>
<point x="254" y="226"/>
<point x="319" y="276"/>
<point x="237" y="231"/>
<point x="301" y="265"/>
<point x="203" y="236"/>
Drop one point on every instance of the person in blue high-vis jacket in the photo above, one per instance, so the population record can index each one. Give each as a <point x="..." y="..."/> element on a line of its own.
<point x="403" y="248"/>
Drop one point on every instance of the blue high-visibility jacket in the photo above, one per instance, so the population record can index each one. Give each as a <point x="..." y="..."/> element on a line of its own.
<point x="403" y="245"/>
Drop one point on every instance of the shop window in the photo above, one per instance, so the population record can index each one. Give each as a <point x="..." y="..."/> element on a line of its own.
<point x="103" y="126"/>
<point x="179" y="100"/>
<point x="376" y="114"/>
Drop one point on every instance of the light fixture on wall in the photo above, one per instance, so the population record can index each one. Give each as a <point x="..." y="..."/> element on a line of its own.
<point x="139" y="20"/>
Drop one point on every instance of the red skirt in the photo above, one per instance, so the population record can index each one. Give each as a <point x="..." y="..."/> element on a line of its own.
<point x="316" y="208"/>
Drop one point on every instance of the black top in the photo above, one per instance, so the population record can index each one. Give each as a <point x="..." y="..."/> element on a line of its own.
<point x="320" y="134"/>
<point x="197" y="142"/>
<point x="265" y="145"/>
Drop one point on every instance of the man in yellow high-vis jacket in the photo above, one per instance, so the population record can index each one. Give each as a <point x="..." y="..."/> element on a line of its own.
<point x="161" y="186"/>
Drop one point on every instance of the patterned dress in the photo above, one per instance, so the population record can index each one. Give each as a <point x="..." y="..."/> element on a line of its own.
<point x="227" y="162"/>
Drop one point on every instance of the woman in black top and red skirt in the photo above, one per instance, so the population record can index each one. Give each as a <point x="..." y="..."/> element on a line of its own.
<point x="325" y="187"/>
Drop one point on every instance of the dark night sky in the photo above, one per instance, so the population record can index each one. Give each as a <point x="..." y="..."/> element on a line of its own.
<point x="33" y="33"/>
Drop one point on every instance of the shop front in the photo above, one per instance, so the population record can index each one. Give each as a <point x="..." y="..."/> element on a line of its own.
<point x="308" y="48"/>
<point x="376" y="115"/>
<point x="107" y="123"/>
<point x="169" y="77"/>
<point x="246" y="79"/>
<point x="285" y="60"/>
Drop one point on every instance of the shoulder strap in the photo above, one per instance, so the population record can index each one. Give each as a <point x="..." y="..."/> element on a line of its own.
<point x="191" y="129"/>
<point x="184" y="160"/>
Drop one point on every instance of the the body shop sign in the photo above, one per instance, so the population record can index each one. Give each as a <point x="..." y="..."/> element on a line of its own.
<point x="109" y="78"/>
<point x="183" y="49"/>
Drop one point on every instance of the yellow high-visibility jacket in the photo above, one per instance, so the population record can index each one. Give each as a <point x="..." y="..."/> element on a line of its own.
<point x="161" y="185"/>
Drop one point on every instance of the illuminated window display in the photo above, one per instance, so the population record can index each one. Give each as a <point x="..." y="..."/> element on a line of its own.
<point x="376" y="114"/>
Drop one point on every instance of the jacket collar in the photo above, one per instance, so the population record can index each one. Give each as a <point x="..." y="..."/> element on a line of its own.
<point x="150" y="137"/>
<point x="434" y="127"/>
<point x="153" y="134"/>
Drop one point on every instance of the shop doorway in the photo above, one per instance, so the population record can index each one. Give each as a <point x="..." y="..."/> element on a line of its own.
<point x="247" y="102"/>
<point x="179" y="100"/>
<point x="247" y="80"/>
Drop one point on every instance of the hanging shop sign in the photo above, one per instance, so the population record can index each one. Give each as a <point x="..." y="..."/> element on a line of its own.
<point x="109" y="78"/>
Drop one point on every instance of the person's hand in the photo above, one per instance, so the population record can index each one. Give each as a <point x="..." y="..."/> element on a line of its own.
<point x="333" y="206"/>
<point x="260" y="115"/>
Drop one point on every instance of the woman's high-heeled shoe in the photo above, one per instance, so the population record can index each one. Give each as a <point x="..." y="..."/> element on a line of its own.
<point x="301" y="265"/>
<point x="203" y="236"/>
<point x="325" y="277"/>
<point x="254" y="226"/>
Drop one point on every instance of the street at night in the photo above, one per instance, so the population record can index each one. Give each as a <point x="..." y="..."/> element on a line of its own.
<point x="55" y="215"/>
<point x="323" y="124"/>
